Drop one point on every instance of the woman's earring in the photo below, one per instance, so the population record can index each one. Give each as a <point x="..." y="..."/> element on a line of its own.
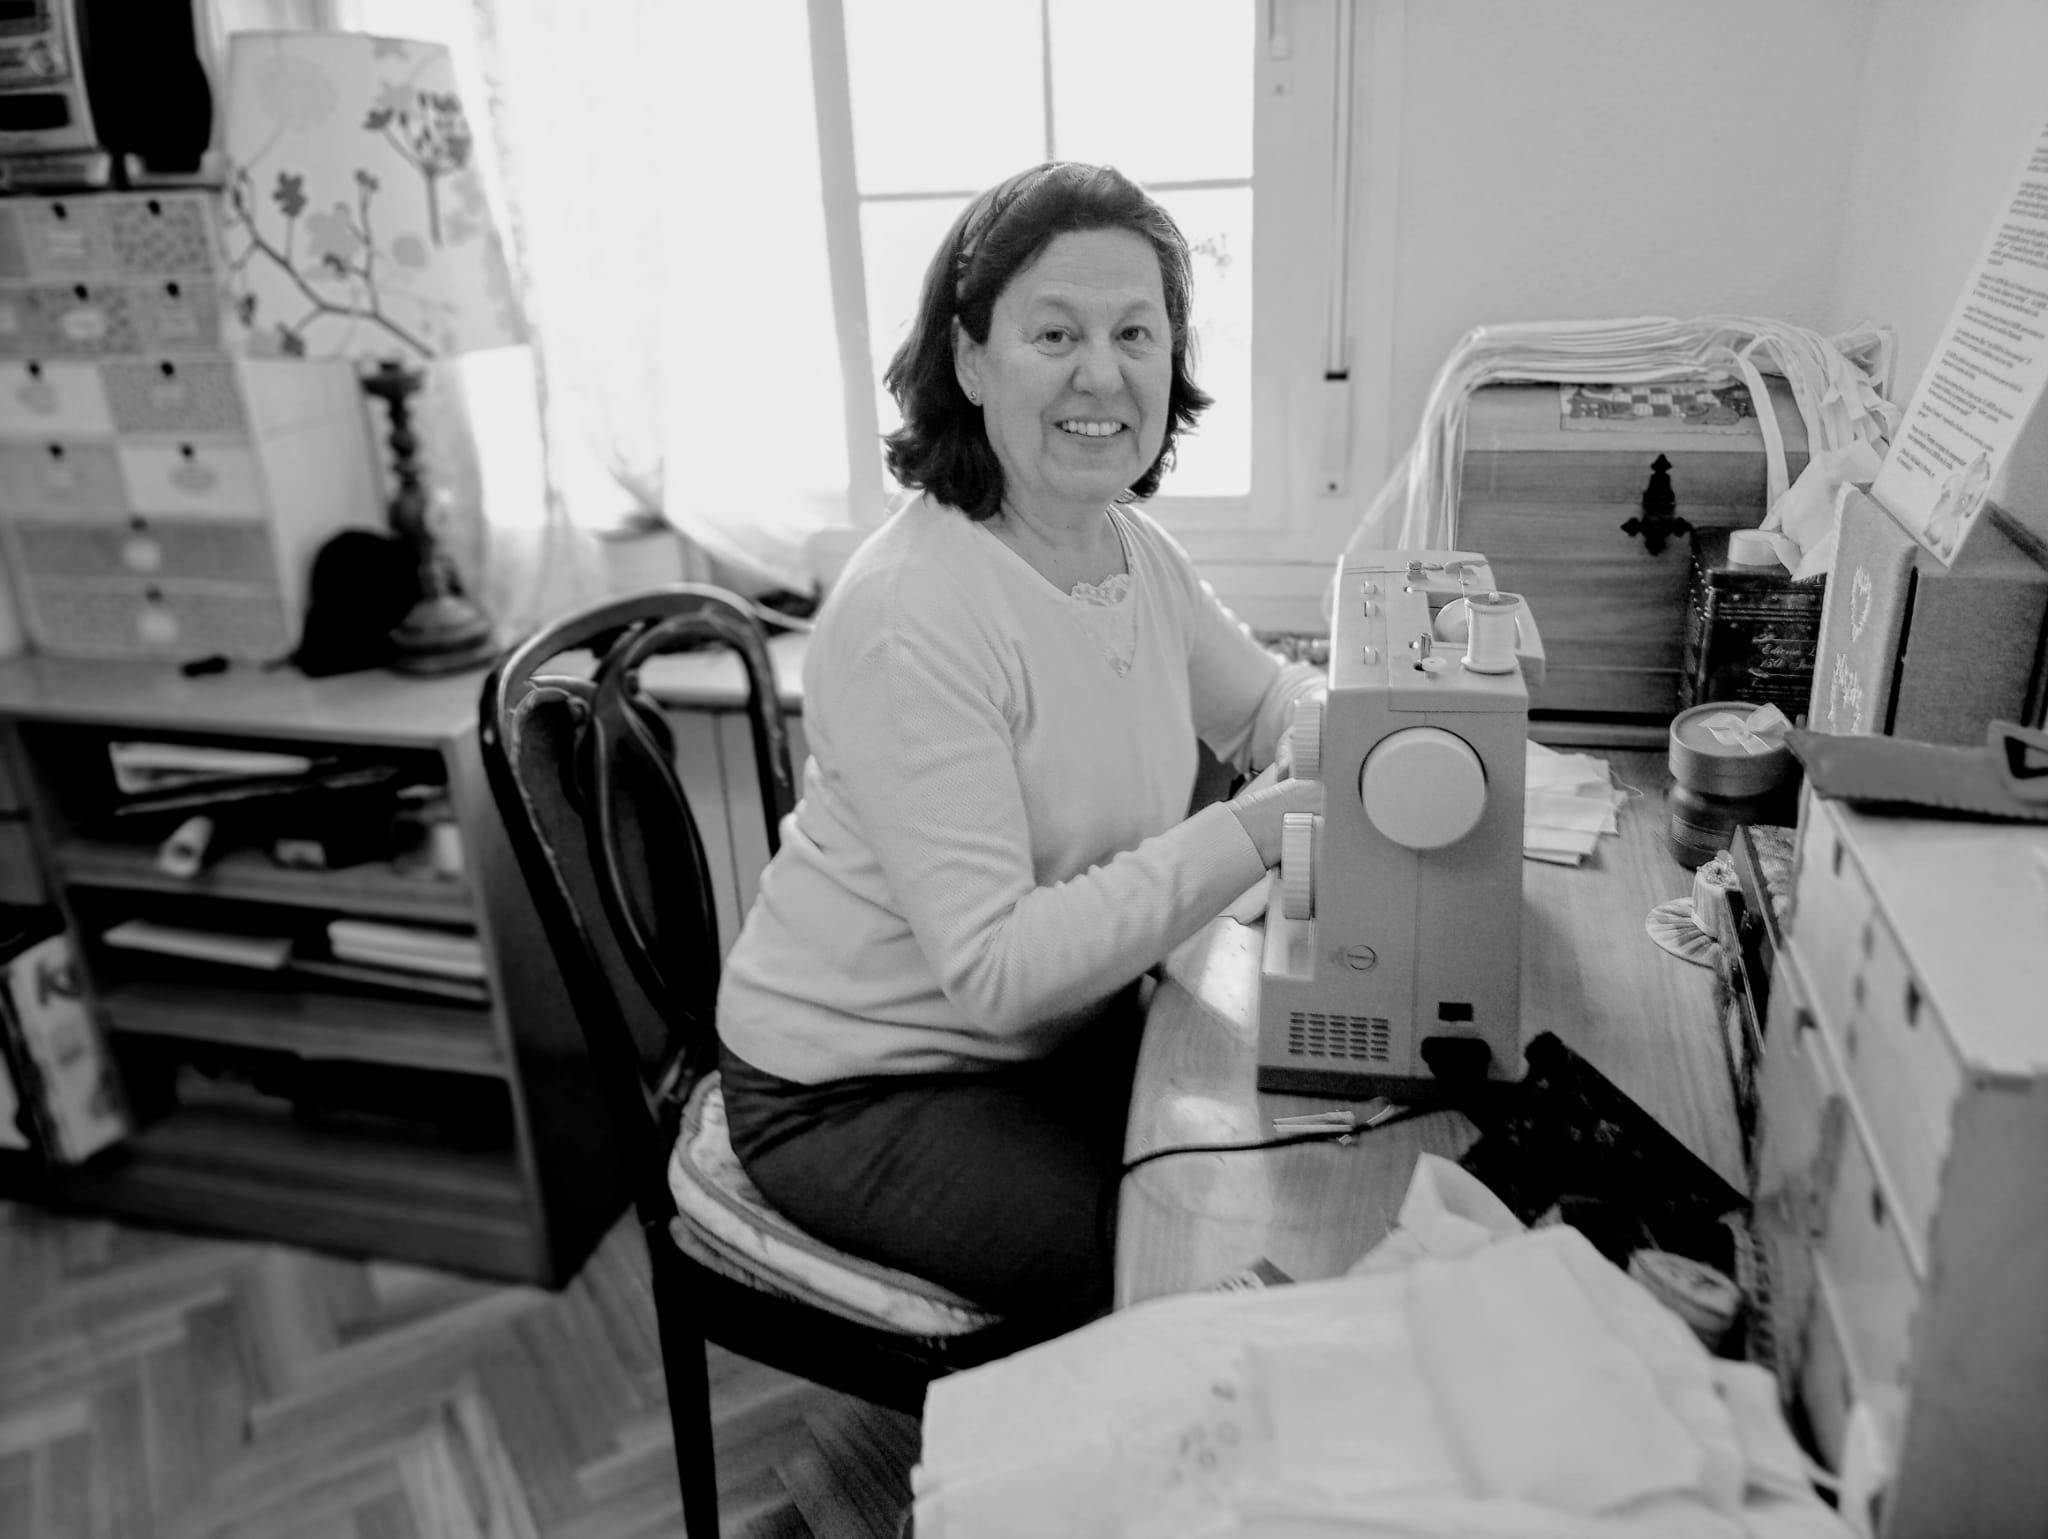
<point x="974" y="397"/>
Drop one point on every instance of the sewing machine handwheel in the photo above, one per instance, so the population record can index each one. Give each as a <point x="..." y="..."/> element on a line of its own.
<point x="1423" y="787"/>
<point x="1306" y="739"/>
<point x="1297" y="860"/>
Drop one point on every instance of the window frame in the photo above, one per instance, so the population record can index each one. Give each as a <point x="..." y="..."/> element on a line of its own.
<point x="1294" y="242"/>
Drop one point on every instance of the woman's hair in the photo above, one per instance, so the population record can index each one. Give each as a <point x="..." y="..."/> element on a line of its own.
<point x="942" y="447"/>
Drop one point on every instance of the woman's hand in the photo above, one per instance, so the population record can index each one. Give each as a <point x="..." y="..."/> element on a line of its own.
<point x="1262" y="805"/>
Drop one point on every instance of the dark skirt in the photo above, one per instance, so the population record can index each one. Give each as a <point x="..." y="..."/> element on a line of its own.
<point x="999" y="1184"/>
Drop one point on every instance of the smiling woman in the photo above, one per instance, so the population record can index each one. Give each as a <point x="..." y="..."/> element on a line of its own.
<point x="1072" y="380"/>
<point x="930" y="1016"/>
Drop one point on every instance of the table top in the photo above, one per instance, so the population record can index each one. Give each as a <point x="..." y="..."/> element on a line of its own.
<point x="1590" y="973"/>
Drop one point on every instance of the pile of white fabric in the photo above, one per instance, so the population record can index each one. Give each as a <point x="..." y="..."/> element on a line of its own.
<point x="1468" y="1379"/>
<point x="1836" y="382"/>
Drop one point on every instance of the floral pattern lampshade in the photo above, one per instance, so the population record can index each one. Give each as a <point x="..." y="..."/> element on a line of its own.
<point x="355" y="218"/>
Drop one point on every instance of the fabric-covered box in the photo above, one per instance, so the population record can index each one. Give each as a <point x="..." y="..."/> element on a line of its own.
<point x="1552" y="473"/>
<point x="1750" y="631"/>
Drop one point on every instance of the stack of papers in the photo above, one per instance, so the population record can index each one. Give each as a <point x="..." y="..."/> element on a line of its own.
<point x="1568" y="802"/>
<point x="144" y="767"/>
<point x="407" y="948"/>
<point x="267" y="953"/>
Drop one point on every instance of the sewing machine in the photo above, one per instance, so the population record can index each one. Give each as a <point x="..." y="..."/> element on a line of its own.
<point x="1393" y="957"/>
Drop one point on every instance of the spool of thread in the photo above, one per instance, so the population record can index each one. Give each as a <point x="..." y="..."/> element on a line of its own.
<point x="1711" y="910"/>
<point x="1751" y="547"/>
<point x="1490" y="641"/>
<point x="1705" y="1299"/>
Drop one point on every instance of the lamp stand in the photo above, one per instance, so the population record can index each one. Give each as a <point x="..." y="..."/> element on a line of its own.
<point x="445" y="631"/>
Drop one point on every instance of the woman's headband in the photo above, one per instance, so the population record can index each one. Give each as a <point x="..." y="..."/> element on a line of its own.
<point x="995" y="203"/>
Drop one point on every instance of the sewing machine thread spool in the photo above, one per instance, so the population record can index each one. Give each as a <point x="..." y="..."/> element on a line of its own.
<point x="1491" y="632"/>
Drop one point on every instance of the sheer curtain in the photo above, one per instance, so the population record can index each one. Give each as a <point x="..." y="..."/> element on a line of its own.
<point x="659" y="173"/>
<point x="663" y="162"/>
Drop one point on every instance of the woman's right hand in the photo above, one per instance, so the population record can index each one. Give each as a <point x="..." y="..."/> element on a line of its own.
<point x="1260" y="808"/>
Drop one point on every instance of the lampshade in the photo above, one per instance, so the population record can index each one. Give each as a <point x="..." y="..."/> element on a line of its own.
<point x="355" y="219"/>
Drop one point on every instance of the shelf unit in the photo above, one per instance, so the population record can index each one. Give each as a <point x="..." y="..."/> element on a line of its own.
<point x="446" y="1123"/>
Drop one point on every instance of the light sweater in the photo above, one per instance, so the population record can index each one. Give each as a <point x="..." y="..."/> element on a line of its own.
<point x="992" y="838"/>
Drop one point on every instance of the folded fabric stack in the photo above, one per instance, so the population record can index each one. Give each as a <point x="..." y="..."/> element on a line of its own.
<point x="1568" y="802"/>
<point x="407" y="948"/>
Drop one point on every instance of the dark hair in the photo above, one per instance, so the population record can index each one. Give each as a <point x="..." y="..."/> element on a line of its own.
<point x="942" y="447"/>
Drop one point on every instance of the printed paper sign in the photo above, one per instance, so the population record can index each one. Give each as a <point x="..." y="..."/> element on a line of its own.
<point x="1984" y="385"/>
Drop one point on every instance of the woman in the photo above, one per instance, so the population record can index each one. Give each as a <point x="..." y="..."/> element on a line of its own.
<point x="929" y="1020"/>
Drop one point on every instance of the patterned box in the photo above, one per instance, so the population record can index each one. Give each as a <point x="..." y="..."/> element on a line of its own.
<point x="1750" y="631"/>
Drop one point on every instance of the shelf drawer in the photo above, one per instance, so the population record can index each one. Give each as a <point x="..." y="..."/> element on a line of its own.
<point x="205" y="550"/>
<point x="67" y="320"/>
<point x="64" y="237"/>
<point x="61" y="476"/>
<point x="176" y="314"/>
<point x="191" y="478"/>
<point x="1898" y="1057"/>
<point x="39" y="399"/>
<point x="174" y="395"/>
<point x="160" y="233"/>
<point x="137" y="619"/>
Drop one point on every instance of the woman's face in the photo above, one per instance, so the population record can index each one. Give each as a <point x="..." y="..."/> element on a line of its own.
<point x="1075" y="375"/>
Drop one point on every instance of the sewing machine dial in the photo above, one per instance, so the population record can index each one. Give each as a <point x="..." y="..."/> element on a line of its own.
<point x="1422" y="787"/>
<point x="1297" y="856"/>
<point x="1306" y="740"/>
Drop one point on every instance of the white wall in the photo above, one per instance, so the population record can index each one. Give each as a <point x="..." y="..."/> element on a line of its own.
<point x="1952" y="94"/>
<point x="1581" y="158"/>
<point x="1559" y="159"/>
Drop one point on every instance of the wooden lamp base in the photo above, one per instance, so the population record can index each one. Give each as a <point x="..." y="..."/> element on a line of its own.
<point x="446" y="631"/>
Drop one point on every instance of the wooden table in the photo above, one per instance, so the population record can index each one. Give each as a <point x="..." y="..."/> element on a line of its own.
<point x="1642" y="1017"/>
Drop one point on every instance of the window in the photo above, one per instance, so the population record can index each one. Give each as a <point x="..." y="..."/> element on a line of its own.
<point x="937" y="101"/>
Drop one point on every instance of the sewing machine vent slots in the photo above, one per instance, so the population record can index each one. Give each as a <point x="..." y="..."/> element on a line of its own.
<point x="1392" y="960"/>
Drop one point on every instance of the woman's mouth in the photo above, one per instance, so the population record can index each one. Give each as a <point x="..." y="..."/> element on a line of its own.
<point x="1086" y="427"/>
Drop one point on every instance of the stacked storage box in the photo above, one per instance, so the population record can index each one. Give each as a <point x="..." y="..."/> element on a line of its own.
<point x="160" y="498"/>
<point x="1902" y="1133"/>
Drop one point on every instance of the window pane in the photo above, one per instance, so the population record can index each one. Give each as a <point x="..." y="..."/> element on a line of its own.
<point x="1215" y="460"/>
<point x="897" y="243"/>
<point x="946" y="96"/>
<point x="1161" y="89"/>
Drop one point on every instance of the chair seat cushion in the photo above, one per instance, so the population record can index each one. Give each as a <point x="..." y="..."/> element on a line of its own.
<point x="724" y="1223"/>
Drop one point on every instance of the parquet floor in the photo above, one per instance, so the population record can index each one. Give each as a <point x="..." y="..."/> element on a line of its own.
<point x="154" y="1384"/>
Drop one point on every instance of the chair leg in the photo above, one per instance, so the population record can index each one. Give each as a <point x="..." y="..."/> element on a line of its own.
<point x="689" y="1404"/>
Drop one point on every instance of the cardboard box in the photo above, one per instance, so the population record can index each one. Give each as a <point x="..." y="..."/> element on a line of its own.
<point x="1914" y="648"/>
<point x="69" y="1104"/>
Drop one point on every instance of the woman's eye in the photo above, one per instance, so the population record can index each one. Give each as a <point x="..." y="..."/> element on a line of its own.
<point x="1055" y="335"/>
<point x="1137" y="333"/>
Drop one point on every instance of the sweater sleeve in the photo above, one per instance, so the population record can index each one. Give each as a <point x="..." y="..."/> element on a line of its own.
<point x="927" y="764"/>
<point x="1242" y="695"/>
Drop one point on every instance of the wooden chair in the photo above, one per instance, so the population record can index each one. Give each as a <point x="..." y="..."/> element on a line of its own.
<point x="582" y="766"/>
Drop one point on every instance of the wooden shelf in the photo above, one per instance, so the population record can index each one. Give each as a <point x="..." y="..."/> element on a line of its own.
<point x="500" y="1059"/>
<point x="250" y="1172"/>
<point x="312" y="1024"/>
<point x="251" y="876"/>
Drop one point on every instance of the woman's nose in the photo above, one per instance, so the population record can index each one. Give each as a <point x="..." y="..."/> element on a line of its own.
<point x="1096" y="370"/>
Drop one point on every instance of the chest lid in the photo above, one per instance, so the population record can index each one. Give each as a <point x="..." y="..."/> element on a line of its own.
<point x="1596" y="443"/>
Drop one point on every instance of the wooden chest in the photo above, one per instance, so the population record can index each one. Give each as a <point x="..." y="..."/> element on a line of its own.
<point x="1901" y="1146"/>
<point x="1545" y="493"/>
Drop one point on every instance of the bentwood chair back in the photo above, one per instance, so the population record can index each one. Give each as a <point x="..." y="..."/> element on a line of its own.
<point x="581" y="762"/>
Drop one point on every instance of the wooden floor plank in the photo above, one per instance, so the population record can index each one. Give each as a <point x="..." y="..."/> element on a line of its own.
<point x="159" y="1386"/>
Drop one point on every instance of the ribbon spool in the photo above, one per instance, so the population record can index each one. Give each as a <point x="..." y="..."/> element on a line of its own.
<point x="1492" y="632"/>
